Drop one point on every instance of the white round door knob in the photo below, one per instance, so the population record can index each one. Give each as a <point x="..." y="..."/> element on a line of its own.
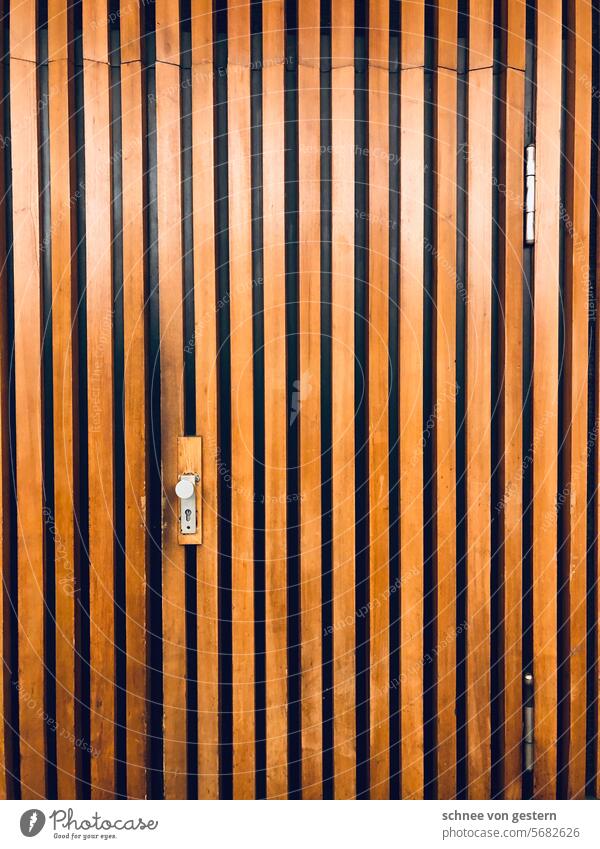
<point x="184" y="489"/>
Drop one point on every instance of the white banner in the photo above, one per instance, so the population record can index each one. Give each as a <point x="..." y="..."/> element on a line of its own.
<point x="302" y="825"/>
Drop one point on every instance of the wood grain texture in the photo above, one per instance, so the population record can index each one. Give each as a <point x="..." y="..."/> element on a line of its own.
<point x="171" y="385"/>
<point x="577" y="275"/>
<point x="447" y="31"/>
<point x="275" y="399"/>
<point x="130" y="31"/>
<point x="136" y="462"/>
<point x="342" y="345"/>
<point x="478" y="450"/>
<point x="205" y="349"/>
<point x="545" y="396"/>
<point x="310" y="397"/>
<point x="411" y="403"/>
<point x="167" y="31"/>
<point x="379" y="358"/>
<point x="99" y="293"/>
<point x="61" y="242"/>
<point x="445" y="420"/>
<point x="28" y="405"/>
<point x="511" y="262"/>
<point x="515" y="34"/>
<point x="242" y="392"/>
<point x="560" y="266"/>
<point x="6" y="544"/>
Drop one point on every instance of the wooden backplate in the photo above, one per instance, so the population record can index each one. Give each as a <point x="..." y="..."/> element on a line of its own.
<point x="189" y="461"/>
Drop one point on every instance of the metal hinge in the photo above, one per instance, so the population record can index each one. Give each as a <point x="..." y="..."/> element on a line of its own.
<point x="528" y="723"/>
<point x="530" y="194"/>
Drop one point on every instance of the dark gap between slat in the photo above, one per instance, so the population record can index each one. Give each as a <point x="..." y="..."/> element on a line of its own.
<point x="497" y="571"/>
<point x="293" y="379"/>
<point x="154" y="499"/>
<point x="258" y="376"/>
<point x="326" y="410"/>
<point x="224" y="402"/>
<point x="189" y="385"/>
<point x="82" y="576"/>
<point x="43" y="133"/>
<point x="565" y="392"/>
<point x="528" y="304"/>
<point x="120" y="647"/>
<point x="394" y="397"/>
<point x="361" y="392"/>
<point x="461" y="494"/>
<point x="429" y="406"/>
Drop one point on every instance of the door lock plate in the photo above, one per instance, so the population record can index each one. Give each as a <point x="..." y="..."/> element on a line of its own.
<point x="188" y="490"/>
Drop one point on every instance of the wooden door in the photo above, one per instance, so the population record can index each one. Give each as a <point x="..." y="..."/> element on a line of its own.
<point x="284" y="245"/>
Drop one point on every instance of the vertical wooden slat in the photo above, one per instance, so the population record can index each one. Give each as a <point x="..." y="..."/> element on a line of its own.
<point x="134" y="400"/>
<point x="411" y="401"/>
<point x="445" y="421"/>
<point x="516" y="12"/>
<point x="310" y="396"/>
<point x="100" y="395"/>
<point x="242" y="391"/>
<point x="275" y="398"/>
<point x="64" y="294"/>
<point x="577" y="278"/>
<point x="545" y="393"/>
<point x="28" y="391"/>
<point x="129" y="22"/>
<point x="5" y="478"/>
<point x="171" y="420"/>
<point x="512" y="502"/>
<point x="479" y="349"/>
<point x="342" y="297"/>
<point x="167" y="31"/>
<point x="205" y="347"/>
<point x="378" y="398"/>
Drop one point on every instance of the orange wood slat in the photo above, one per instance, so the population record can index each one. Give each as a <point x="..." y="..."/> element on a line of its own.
<point x="28" y="402"/>
<point x="411" y="405"/>
<point x="134" y="342"/>
<point x="413" y="27"/>
<point x="342" y="296"/>
<point x="275" y="399"/>
<point x="379" y="558"/>
<point x="242" y="392"/>
<point x="478" y="450"/>
<point x="481" y="34"/>
<point x="515" y="34"/>
<point x="171" y="379"/>
<point x="310" y="397"/>
<point x="167" y="31"/>
<point x="23" y="30"/>
<point x="545" y="395"/>
<point x="205" y="347"/>
<point x="61" y="241"/>
<point x="95" y="30"/>
<point x="129" y="24"/>
<point x="512" y="501"/>
<point x="577" y="251"/>
<point x="447" y="31"/>
<point x="100" y="420"/>
<point x="445" y="404"/>
<point x="6" y="637"/>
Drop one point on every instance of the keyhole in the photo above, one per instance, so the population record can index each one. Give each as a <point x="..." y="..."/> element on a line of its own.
<point x="188" y="516"/>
